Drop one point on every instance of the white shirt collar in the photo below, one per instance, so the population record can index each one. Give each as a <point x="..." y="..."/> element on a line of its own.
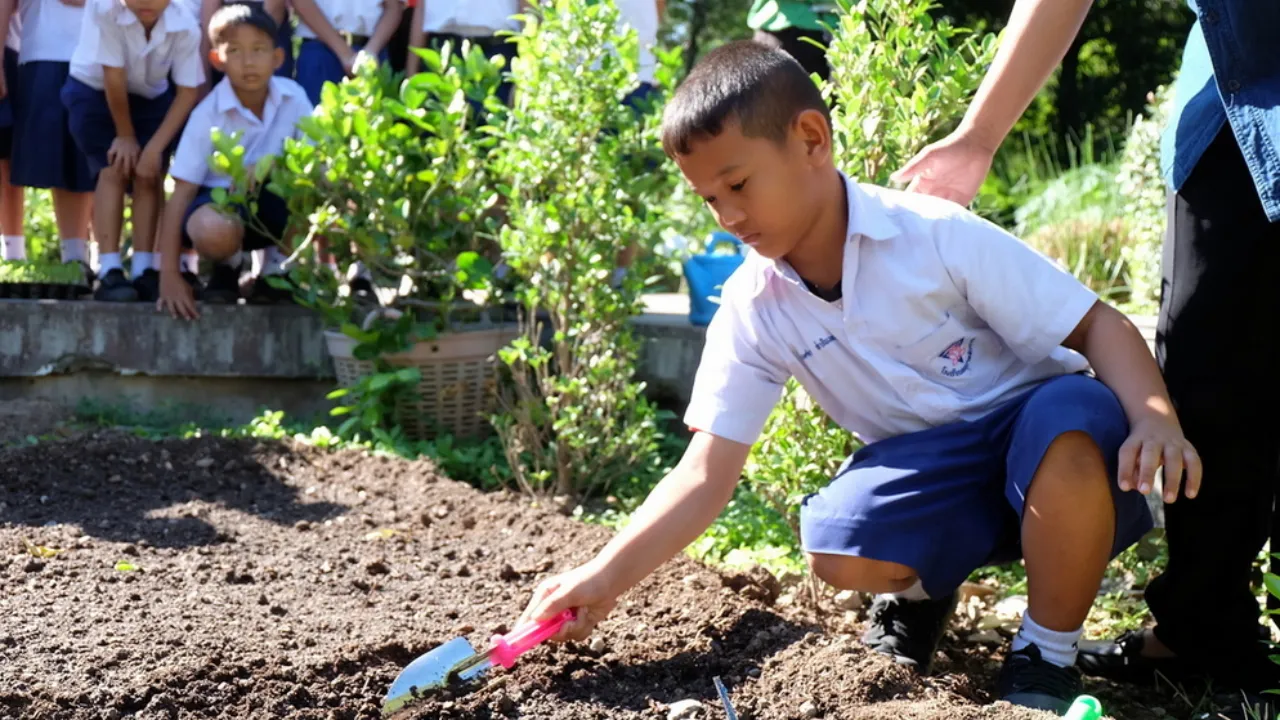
<point x="867" y="219"/>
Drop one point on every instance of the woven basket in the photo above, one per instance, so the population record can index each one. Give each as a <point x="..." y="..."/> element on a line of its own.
<point x="459" y="379"/>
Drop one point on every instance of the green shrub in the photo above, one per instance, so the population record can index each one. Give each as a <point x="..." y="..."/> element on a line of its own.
<point x="899" y="79"/>
<point x="577" y="191"/>
<point x="1142" y="191"/>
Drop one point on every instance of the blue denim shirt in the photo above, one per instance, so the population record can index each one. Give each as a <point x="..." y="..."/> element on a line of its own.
<point x="1230" y="74"/>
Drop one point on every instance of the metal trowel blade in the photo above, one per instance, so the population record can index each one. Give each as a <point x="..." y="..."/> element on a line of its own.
<point x="432" y="671"/>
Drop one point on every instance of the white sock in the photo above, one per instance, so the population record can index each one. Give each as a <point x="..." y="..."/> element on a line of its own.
<point x="141" y="262"/>
<point x="915" y="593"/>
<point x="1059" y="648"/>
<point x="15" y="247"/>
<point x="360" y="271"/>
<point x="75" y="250"/>
<point x="108" y="262"/>
<point x="273" y="261"/>
<point x="234" y="261"/>
<point x="190" y="262"/>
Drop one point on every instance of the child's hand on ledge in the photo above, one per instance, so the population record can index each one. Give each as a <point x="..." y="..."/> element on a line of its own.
<point x="176" y="297"/>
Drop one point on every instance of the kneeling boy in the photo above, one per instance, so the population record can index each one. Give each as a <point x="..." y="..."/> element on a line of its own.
<point x="961" y="355"/>
<point x="264" y="110"/>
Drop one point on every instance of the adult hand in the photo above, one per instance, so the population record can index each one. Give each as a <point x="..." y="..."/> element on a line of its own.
<point x="952" y="168"/>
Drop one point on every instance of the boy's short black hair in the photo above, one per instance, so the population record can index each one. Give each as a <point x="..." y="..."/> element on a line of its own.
<point x="762" y="88"/>
<point x="238" y="14"/>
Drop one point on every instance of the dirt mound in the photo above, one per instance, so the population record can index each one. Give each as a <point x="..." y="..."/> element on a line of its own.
<point x="242" y="580"/>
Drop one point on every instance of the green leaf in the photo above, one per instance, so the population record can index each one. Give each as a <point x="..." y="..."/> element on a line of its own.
<point x="126" y="566"/>
<point x="1272" y="582"/>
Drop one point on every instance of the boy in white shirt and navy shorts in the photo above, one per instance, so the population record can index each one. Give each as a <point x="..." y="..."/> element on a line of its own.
<point x="45" y="155"/>
<point x="264" y="110"/>
<point x="1008" y="412"/>
<point x="336" y="34"/>
<point x="125" y="114"/>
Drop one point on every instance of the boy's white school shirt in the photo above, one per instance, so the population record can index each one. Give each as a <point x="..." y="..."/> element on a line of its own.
<point x="286" y="104"/>
<point x="470" y="18"/>
<point x="944" y="316"/>
<point x="50" y="30"/>
<point x="357" y="17"/>
<point x="112" y="36"/>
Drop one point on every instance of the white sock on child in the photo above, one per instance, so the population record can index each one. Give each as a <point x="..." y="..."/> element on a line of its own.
<point x="915" y="593"/>
<point x="234" y="261"/>
<point x="108" y="262"/>
<point x="75" y="250"/>
<point x="190" y="262"/>
<point x="358" y="270"/>
<point x="141" y="262"/>
<point x="1059" y="648"/>
<point x="15" y="247"/>
<point x="273" y="261"/>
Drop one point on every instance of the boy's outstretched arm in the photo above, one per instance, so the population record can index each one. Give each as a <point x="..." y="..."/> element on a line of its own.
<point x="392" y="12"/>
<point x="176" y="297"/>
<point x="678" y="510"/>
<point x="1120" y="357"/>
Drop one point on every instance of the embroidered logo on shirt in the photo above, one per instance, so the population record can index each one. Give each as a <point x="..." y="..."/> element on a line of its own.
<point x="818" y="345"/>
<point x="958" y="356"/>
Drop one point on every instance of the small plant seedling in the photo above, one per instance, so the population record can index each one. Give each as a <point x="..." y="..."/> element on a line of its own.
<point x="383" y="534"/>
<point x="126" y="566"/>
<point x="39" y="551"/>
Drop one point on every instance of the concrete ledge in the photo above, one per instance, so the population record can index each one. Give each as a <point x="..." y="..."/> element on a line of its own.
<point x="41" y="337"/>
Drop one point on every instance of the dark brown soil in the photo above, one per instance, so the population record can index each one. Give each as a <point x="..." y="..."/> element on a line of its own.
<point x="280" y="581"/>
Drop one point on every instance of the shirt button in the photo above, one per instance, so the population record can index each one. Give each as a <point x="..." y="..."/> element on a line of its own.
<point x="1233" y="86"/>
<point x="1211" y="17"/>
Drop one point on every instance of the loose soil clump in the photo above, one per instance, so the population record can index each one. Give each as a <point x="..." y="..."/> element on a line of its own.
<point x="237" y="579"/>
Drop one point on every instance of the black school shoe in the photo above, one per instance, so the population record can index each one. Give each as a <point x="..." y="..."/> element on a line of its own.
<point x="1121" y="660"/>
<point x="115" y="287"/>
<point x="908" y="630"/>
<point x="1030" y="681"/>
<point x="224" y="285"/>
<point x="148" y="285"/>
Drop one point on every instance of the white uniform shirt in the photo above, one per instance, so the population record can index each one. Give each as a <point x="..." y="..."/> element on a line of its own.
<point x="357" y="17"/>
<point x="112" y="36"/>
<point x="287" y="103"/>
<point x="943" y="317"/>
<point x="469" y="18"/>
<point x="50" y="30"/>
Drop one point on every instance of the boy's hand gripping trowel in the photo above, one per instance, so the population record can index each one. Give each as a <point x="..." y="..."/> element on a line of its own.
<point x="457" y="662"/>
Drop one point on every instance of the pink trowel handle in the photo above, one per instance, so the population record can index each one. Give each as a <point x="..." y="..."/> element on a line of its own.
<point x="506" y="648"/>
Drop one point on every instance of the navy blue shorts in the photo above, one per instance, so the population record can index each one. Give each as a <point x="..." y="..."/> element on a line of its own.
<point x="949" y="500"/>
<point x="94" y="130"/>
<point x="318" y="65"/>
<point x="45" y="155"/>
<point x="273" y="213"/>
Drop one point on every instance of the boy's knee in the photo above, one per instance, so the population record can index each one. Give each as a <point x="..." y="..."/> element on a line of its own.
<point x="111" y="177"/>
<point x="1074" y="454"/>
<point x="214" y="235"/>
<point x="846" y="572"/>
<point x="145" y="184"/>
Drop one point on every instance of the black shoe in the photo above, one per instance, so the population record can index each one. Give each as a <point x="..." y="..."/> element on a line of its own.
<point x="264" y="293"/>
<point x="362" y="290"/>
<point x="115" y="287"/>
<point x="224" y="285"/>
<point x="90" y="277"/>
<point x="908" y="630"/>
<point x="147" y="285"/>
<point x="1030" y="681"/>
<point x="197" y="288"/>
<point x="1121" y="660"/>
